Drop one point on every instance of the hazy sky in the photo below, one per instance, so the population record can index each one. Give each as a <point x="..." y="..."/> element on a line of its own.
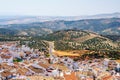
<point x="58" y="7"/>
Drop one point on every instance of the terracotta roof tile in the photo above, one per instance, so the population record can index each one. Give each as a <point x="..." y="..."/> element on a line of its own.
<point x="36" y="70"/>
<point x="71" y="76"/>
<point x="43" y="65"/>
<point x="5" y="73"/>
<point x="5" y="56"/>
<point x="22" y="71"/>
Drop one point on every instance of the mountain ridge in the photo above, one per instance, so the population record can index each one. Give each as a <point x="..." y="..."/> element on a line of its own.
<point x="105" y="26"/>
<point x="30" y="19"/>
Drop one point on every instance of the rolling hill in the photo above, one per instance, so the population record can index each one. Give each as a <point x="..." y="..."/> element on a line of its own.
<point x="78" y="40"/>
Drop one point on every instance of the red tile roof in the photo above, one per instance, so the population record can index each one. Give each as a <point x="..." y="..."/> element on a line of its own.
<point x="70" y="77"/>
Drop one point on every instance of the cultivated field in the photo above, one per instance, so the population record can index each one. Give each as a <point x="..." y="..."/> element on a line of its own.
<point x="71" y="53"/>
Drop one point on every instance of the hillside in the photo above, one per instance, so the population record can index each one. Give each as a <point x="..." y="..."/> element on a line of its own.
<point x="66" y="35"/>
<point x="113" y="37"/>
<point x="4" y="31"/>
<point x="78" y="39"/>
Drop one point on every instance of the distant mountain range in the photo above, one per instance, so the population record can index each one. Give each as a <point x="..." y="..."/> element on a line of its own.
<point x="107" y="26"/>
<point x="4" y="20"/>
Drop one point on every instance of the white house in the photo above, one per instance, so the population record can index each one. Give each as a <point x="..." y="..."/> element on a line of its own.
<point x="0" y="60"/>
<point x="5" y="58"/>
